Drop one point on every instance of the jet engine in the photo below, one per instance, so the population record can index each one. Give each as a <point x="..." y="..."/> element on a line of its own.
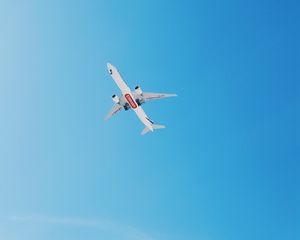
<point x="115" y="98"/>
<point x="138" y="90"/>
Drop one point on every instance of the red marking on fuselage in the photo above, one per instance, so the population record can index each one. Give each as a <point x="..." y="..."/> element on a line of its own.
<point x="131" y="102"/>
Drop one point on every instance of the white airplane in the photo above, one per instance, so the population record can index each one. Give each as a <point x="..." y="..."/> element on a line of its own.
<point x="134" y="100"/>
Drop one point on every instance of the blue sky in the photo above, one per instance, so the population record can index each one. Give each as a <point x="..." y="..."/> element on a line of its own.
<point x="226" y="166"/>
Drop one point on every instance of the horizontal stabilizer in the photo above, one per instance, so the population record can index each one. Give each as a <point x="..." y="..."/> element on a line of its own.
<point x="154" y="126"/>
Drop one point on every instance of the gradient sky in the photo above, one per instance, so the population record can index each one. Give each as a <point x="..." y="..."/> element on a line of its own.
<point x="225" y="168"/>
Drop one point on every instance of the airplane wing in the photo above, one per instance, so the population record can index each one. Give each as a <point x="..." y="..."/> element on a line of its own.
<point x="116" y="108"/>
<point x="155" y="96"/>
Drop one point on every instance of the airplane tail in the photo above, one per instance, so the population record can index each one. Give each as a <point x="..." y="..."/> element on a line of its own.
<point x="154" y="126"/>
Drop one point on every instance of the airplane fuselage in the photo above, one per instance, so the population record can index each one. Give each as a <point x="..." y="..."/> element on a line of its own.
<point x="128" y="96"/>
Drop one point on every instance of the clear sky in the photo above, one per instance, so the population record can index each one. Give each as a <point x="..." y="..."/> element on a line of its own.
<point x="225" y="168"/>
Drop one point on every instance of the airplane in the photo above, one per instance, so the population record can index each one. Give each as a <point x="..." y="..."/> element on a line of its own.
<point x="133" y="100"/>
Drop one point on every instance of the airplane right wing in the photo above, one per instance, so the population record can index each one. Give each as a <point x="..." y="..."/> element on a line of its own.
<point x="155" y="96"/>
<point x="116" y="108"/>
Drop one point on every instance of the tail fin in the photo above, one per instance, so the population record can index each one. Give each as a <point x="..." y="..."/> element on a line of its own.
<point x="154" y="126"/>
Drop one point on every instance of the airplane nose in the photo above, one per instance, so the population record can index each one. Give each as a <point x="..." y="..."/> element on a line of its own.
<point x="109" y="68"/>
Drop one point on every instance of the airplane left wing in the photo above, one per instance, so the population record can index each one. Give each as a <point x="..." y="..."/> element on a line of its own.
<point x="155" y="96"/>
<point x="116" y="108"/>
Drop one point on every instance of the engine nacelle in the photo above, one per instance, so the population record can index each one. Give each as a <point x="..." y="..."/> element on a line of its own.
<point x="138" y="90"/>
<point x="115" y="98"/>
